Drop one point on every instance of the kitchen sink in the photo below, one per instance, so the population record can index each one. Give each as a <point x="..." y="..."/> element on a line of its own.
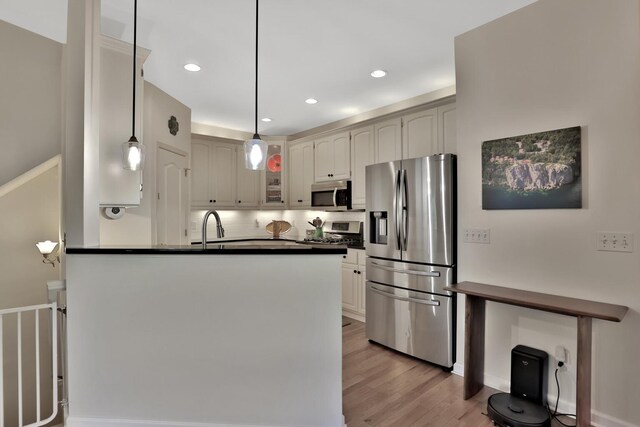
<point x="255" y="242"/>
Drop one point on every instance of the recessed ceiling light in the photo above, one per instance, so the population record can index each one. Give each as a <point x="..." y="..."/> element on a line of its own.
<point x="378" y="73"/>
<point x="192" y="67"/>
<point x="311" y="101"/>
<point x="266" y="119"/>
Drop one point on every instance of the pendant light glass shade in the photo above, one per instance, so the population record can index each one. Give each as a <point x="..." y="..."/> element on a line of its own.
<point x="133" y="152"/>
<point x="255" y="153"/>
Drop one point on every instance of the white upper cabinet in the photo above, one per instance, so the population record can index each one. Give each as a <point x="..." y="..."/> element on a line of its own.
<point x="362" y="154"/>
<point x="213" y="179"/>
<point x="447" y="136"/>
<point x="247" y="183"/>
<point x="200" y="174"/>
<point x="420" y="134"/>
<point x="388" y="140"/>
<point x="332" y="157"/>
<point x="300" y="174"/>
<point x="223" y="164"/>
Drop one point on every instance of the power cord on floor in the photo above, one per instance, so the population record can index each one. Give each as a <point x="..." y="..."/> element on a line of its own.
<point x="555" y="413"/>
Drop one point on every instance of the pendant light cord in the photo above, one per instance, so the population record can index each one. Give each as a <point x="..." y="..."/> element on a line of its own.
<point x="256" y="101"/>
<point x="135" y="32"/>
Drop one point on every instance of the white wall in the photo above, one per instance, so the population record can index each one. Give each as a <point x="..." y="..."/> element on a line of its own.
<point x="137" y="226"/>
<point x="28" y="214"/>
<point x="551" y="65"/>
<point x="30" y="100"/>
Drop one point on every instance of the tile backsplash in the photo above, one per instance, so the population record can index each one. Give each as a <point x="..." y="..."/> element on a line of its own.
<point x="252" y="223"/>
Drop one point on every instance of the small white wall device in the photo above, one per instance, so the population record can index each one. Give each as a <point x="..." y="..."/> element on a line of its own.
<point x="114" y="212"/>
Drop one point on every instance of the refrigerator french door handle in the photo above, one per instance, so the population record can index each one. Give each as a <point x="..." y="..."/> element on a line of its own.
<point x="405" y="214"/>
<point x="335" y="194"/>
<point x="398" y="212"/>
<point x="406" y="271"/>
<point x="418" y="301"/>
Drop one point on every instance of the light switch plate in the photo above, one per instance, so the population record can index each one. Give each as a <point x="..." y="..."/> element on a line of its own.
<point x="477" y="235"/>
<point x="614" y="241"/>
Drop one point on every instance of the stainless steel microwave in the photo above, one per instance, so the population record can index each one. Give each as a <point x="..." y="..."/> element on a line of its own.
<point x="331" y="195"/>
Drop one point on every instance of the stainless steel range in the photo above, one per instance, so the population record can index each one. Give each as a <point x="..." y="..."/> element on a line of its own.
<point x="348" y="233"/>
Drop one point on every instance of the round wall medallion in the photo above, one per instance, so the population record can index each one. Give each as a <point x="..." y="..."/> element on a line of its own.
<point x="173" y="125"/>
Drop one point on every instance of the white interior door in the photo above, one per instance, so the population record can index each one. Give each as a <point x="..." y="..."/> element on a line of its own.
<point x="172" y="208"/>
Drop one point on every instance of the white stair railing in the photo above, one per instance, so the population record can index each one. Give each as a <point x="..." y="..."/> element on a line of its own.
<point x="52" y="312"/>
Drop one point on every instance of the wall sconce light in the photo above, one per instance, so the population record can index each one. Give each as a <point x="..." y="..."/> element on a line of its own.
<point x="49" y="251"/>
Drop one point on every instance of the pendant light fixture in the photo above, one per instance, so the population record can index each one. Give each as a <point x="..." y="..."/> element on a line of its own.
<point x="133" y="150"/>
<point x="255" y="149"/>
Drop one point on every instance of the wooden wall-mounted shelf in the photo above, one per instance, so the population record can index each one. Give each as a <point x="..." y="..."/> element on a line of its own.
<point x="583" y="310"/>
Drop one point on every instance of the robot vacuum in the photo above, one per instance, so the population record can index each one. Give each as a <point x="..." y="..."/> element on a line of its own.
<point x="507" y="410"/>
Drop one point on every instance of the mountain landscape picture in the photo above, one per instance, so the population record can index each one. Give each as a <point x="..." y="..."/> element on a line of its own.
<point x="535" y="171"/>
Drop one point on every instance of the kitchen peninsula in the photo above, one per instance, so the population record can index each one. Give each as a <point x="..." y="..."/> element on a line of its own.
<point x="237" y="333"/>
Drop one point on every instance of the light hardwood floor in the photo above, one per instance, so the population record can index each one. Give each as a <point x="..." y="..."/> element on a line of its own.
<point x="381" y="387"/>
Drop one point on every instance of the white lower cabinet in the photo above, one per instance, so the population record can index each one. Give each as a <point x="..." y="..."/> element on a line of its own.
<point x="353" y="284"/>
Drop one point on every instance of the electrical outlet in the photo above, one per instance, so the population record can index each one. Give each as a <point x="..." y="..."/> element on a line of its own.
<point x="194" y="226"/>
<point x="614" y="241"/>
<point x="477" y="235"/>
<point x="561" y="354"/>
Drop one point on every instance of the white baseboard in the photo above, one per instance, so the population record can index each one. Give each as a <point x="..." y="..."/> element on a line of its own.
<point x="354" y="316"/>
<point x="598" y="419"/>
<point x="102" y="422"/>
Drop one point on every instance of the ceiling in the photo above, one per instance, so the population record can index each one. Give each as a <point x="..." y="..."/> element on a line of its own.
<point x="320" y="49"/>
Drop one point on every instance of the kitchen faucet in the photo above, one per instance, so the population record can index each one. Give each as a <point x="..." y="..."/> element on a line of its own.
<point x="219" y="229"/>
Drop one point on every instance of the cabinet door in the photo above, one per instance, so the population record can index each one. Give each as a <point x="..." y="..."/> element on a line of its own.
<point x="447" y="128"/>
<point x="362" y="282"/>
<point x="420" y="134"/>
<point x="296" y="173"/>
<point x="388" y="142"/>
<point x="341" y="156"/>
<point x="362" y="154"/>
<point x="323" y="161"/>
<point x="200" y="175"/>
<point x="301" y="174"/>
<point x="349" y="289"/>
<point x="223" y="174"/>
<point x="248" y="183"/>
<point x="274" y="176"/>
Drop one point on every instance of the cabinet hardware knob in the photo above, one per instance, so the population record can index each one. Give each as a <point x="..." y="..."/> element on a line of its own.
<point x="210" y="201"/>
<point x="282" y="201"/>
<point x="214" y="200"/>
<point x="344" y="256"/>
<point x="239" y="201"/>
<point x="359" y="272"/>
<point x="299" y="201"/>
<point x="355" y="271"/>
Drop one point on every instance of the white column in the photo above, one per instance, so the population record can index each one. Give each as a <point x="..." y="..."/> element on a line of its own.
<point x="80" y="147"/>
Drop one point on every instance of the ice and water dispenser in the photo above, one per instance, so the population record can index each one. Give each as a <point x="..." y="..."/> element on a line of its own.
<point x="378" y="228"/>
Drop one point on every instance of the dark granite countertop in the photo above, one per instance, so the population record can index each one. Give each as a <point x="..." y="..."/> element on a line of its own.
<point x="221" y="247"/>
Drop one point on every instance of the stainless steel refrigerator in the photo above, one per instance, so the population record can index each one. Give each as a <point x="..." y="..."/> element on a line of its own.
<point x="411" y="255"/>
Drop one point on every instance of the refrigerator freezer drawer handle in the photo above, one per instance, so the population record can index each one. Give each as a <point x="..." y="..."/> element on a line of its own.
<point x="400" y="270"/>
<point x="418" y="301"/>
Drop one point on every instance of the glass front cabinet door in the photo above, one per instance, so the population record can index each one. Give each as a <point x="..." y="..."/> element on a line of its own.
<point x="273" y="183"/>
